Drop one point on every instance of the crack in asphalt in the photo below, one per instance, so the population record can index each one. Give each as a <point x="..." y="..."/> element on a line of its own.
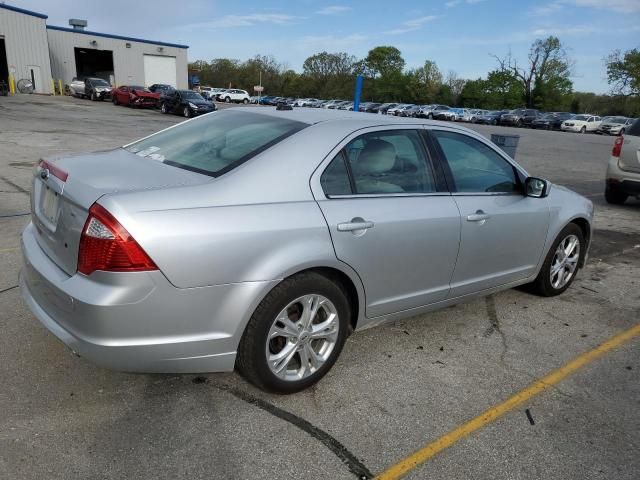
<point x="14" y="185"/>
<point x="495" y="325"/>
<point x="354" y="465"/>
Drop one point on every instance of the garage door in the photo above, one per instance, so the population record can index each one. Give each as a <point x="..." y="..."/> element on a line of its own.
<point x="159" y="70"/>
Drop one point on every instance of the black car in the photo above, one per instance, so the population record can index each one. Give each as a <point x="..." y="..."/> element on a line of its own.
<point x="160" y="88"/>
<point x="383" y="108"/>
<point x="551" y="121"/>
<point x="520" y="118"/>
<point x="185" y="102"/>
<point x="491" y="118"/>
<point x="97" y="89"/>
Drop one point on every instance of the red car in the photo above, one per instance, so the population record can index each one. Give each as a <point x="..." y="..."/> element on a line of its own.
<point x="135" y="96"/>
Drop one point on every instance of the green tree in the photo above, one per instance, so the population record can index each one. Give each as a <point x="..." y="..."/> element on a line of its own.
<point x="423" y="83"/>
<point x="623" y="72"/>
<point x="384" y="60"/>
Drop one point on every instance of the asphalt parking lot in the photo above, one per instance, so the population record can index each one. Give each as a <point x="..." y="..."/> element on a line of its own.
<point x="394" y="390"/>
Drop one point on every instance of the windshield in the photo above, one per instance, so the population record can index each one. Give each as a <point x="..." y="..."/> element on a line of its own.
<point x="188" y="94"/>
<point x="583" y="118"/>
<point x="98" y="82"/>
<point x="216" y="143"/>
<point x="616" y="120"/>
<point x="138" y="87"/>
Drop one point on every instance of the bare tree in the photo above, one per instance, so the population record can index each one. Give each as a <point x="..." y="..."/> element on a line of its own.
<point x="547" y="59"/>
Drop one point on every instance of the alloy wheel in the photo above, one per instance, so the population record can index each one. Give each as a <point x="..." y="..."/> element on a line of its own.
<point x="302" y="337"/>
<point x="565" y="261"/>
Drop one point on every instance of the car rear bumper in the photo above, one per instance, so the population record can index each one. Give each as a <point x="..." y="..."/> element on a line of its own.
<point x="138" y="321"/>
<point x="621" y="180"/>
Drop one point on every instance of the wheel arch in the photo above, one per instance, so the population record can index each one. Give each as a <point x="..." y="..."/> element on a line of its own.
<point x="585" y="227"/>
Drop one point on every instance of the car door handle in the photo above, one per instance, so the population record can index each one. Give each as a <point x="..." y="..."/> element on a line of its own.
<point x="353" y="226"/>
<point x="479" y="216"/>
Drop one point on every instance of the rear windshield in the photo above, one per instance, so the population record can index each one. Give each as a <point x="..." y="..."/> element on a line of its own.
<point x="216" y="143"/>
<point x="634" y="129"/>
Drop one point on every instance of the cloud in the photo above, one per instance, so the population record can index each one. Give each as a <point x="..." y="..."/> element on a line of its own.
<point x="232" y="21"/>
<point x="411" y="25"/>
<point x="623" y="6"/>
<point x="454" y="3"/>
<point x="334" y="10"/>
<point x="546" y="10"/>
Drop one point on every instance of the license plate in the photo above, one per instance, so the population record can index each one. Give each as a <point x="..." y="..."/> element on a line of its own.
<point x="50" y="204"/>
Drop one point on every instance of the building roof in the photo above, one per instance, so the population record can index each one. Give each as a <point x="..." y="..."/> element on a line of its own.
<point x="118" y="37"/>
<point x="22" y="10"/>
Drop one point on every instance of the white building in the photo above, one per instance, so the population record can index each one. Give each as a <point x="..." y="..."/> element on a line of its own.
<point x="29" y="48"/>
<point x="24" y="48"/>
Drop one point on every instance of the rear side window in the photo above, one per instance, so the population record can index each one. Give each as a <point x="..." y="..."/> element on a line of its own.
<point x="377" y="163"/>
<point x="217" y="142"/>
<point x="634" y="129"/>
<point x="474" y="166"/>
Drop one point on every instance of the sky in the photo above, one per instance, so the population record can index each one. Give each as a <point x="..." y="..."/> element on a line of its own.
<point x="459" y="35"/>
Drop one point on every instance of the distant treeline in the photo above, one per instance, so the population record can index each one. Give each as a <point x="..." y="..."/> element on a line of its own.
<point x="544" y="82"/>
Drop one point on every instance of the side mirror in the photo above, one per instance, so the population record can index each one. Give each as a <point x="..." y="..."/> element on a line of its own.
<point x="536" y="187"/>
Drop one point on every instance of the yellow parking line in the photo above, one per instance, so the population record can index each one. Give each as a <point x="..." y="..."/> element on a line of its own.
<point x="417" y="458"/>
<point x="9" y="249"/>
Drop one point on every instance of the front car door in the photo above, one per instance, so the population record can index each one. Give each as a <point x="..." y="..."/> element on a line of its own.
<point x="390" y="217"/>
<point x="502" y="230"/>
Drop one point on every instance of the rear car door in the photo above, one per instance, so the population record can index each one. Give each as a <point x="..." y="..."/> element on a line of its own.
<point x="390" y="218"/>
<point x="502" y="230"/>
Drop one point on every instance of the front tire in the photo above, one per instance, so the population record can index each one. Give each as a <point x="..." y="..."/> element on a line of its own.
<point x="295" y="335"/>
<point x="163" y="108"/>
<point x="227" y="99"/>
<point x="245" y="101"/>
<point x="561" y="265"/>
<point x="94" y="97"/>
<point x="583" y="130"/>
<point x="186" y="112"/>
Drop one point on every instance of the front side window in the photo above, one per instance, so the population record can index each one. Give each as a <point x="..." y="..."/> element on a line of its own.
<point x="385" y="162"/>
<point x="216" y="143"/>
<point x="475" y="167"/>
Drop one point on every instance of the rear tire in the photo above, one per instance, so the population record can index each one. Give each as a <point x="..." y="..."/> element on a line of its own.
<point x="259" y="343"/>
<point x="614" y="197"/>
<point x="227" y="99"/>
<point x="163" y="108"/>
<point x="245" y="101"/>
<point x="544" y="284"/>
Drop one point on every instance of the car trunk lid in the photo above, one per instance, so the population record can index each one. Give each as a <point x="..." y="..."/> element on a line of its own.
<point x="630" y="154"/>
<point x="65" y="187"/>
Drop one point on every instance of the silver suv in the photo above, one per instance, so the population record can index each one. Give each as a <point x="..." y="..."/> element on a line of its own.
<point x="623" y="172"/>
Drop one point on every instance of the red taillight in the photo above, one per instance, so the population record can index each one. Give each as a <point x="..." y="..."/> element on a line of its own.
<point x="617" y="146"/>
<point x="53" y="170"/>
<point x="106" y="245"/>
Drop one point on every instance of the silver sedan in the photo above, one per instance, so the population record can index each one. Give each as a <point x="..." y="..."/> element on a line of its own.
<point x="259" y="239"/>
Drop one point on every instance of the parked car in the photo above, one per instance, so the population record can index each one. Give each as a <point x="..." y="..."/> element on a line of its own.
<point x="76" y="87"/>
<point x="615" y="125"/>
<point x="161" y="88"/>
<point x="97" y="89"/>
<point x="490" y="118"/>
<point x="336" y="105"/>
<point x="623" y="170"/>
<point x="430" y="111"/>
<point x="265" y="100"/>
<point x="411" y="111"/>
<point x="395" y="110"/>
<point x="304" y="102"/>
<point x="185" y="102"/>
<point x="581" y="124"/>
<point x="445" y="114"/>
<point x="520" y="117"/>
<point x="552" y="120"/>
<point x="383" y="108"/>
<point x="135" y="96"/>
<point x="345" y="106"/>
<point x="187" y="251"/>
<point x="233" y="95"/>
<point x="371" y="107"/>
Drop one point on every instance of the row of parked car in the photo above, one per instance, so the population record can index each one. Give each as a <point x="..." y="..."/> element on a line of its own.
<point x="521" y="117"/>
